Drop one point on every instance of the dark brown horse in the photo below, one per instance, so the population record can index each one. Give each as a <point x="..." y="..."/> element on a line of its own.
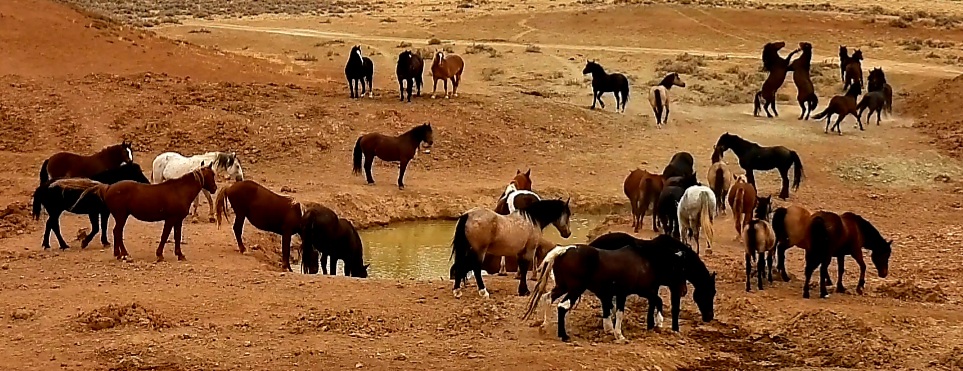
<point x="71" y="165"/>
<point x="777" y="67"/>
<point x="410" y="69"/>
<point x="805" y="92"/>
<point x="852" y="68"/>
<point x="267" y="211"/>
<point x="760" y="242"/>
<point x="835" y="236"/>
<point x="168" y="202"/>
<point x="643" y="189"/>
<point x="400" y="148"/>
<point x="877" y="83"/>
<point x="322" y="231"/>
<point x="444" y="68"/>
<point x="842" y="106"/>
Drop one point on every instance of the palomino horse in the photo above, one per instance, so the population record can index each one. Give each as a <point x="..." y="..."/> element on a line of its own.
<point x="742" y="200"/>
<point x="322" y="231"/>
<point x="410" y="69"/>
<point x="805" y="92"/>
<point x="267" y="211"/>
<point x="659" y="97"/>
<point x="71" y="165"/>
<point x="359" y="70"/>
<point x="635" y="269"/>
<point x="169" y="202"/>
<point x="173" y="165"/>
<point x="842" y="106"/>
<point x="56" y="200"/>
<point x="681" y="164"/>
<point x="852" y="67"/>
<point x="445" y="67"/>
<point x="479" y="231"/>
<point x="877" y="83"/>
<point x="777" y="67"/>
<point x="399" y="148"/>
<point x="696" y="207"/>
<point x="643" y="189"/>
<point x="720" y="180"/>
<point x="755" y="157"/>
<point x="603" y="82"/>
<point x="836" y="236"/>
<point x="760" y="241"/>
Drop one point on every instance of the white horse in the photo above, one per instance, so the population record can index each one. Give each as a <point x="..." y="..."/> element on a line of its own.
<point x="172" y="165"/>
<point x="696" y="213"/>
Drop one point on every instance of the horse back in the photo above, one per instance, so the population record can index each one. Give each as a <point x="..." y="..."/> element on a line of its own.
<point x="58" y="198"/>
<point x="265" y="209"/>
<point x="627" y="271"/>
<point x="833" y="229"/>
<point x="632" y="183"/>
<point x="796" y="223"/>
<point x="72" y="165"/>
<point x="388" y="148"/>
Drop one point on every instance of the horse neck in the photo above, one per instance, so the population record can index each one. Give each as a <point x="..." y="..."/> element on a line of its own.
<point x="696" y="271"/>
<point x="539" y="216"/>
<point x="740" y="146"/>
<point x="412" y="137"/>
<point x="599" y="73"/>
<point x="191" y="183"/>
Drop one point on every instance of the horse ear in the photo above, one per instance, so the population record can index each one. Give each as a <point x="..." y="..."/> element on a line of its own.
<point x="528" y="173"/>
<point x="890" y="242"/>
<point x="567" y="201"/>
<point x="517" y="171"/>
<point x="367" y="265"/>
<point x="202" y="163"/>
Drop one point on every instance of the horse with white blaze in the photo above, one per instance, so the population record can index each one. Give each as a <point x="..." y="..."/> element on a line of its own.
<point x="172" y="165"/>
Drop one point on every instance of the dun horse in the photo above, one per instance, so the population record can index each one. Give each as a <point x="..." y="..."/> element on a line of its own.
<point x="410" y="70"/>
<point x="359" y="70"/>
<point x="322" y="231"/>
<point x="742" y="200"/>
<point x="696" y="210"/>
<point x="659" y="97"/>
<point x="71" y="165"/>
<point x="777" y="67"/>
<point x="444" y="68"/>
<point x="838" y="236"/>
<point x="720" y="180"/>
<point x="267" y="211"/>
<point x="602" y="82"/>
<point x="760" y="243"/>
<point x="852" y="67"/>
<point x="755" y="157"/>
<point x="842" y="106"/>
<point x="805" y="92"/>
<point x="643" y="189"/>
<point x="399" y="148"/>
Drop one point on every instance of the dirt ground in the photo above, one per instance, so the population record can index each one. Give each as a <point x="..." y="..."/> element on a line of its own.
<point x="269" y="86"/>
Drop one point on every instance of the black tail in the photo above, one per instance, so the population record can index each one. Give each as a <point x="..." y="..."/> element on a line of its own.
<point x="756" y="103"/>
<point x="822" y="114"/>
<point x="44" y="177"/>
<point x="720" y="183"/>
<point x="751" y="239"/>
<point x="797" y="170"/>
<point x="357" y="157"/>
<point x="461" y="250"/>
<point x="37" y="204"/>
<point x="658" y="105"/>
<point x="819" y="238"/>
<point x="779" y="224"/>
<point x="625" y="95"/>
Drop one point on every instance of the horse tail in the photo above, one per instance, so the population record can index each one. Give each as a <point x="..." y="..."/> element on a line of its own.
<point x="647" y="196"/>
<point x="818" y="236"/>
<point x="356" y="169"/>
<point x="97" y="188"/>
<point x="888" y="95"/>
<point x="544" y="272"/>
<point x="751" y="239"/>
<point x="37" y="204"/>
<point x="779" y="224"/>
<point x="625" y="94"/>
<point x="706" y="218"/>
<point x="737" y="201"/>
<point x="44" y="176"/>
<point x="720" y="183"/>
<point x="220" y="207"/>
<point x="460" y="249"/>
<point x="822" y="114"/>
<point x="658" y="104"/>
<point x="797" y="170"/>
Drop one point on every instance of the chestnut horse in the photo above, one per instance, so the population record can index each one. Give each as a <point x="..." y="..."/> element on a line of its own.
<point x="399" y="148"/>
<point x="805" y="92"/>
<point x="169" y="202"/>
<point x="742" y="200"/>
<point x="267" y="211"/>
<point x="71" y="165"/>
<point x="720" y="180"/>
<point x="643" y="189"/>
<point x="777" y="67"/>
<point x="842" y="106"/>
<point x="445" y="67"/>
<point x="838" y="236"/>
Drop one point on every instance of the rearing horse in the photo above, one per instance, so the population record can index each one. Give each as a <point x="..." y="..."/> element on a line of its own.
<point x="778" y="67"/>
<point x="805" y="92"/>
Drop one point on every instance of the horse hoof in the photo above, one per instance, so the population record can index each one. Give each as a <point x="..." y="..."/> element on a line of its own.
<point x="805" y="295"/>
<point x="483" y="293"/>
<point x="211" y="219"/>
<point x="457" y="293"/>
<point x="160" y="259"/>
<point x="432" y="96"/>
<point x="181" y="258"/>
<point x="859" y="290"/>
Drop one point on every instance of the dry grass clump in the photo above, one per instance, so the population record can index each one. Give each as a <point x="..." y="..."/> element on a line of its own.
<point x="482" y="49"/>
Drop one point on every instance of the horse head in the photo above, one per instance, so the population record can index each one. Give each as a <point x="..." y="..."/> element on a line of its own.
<point x="704" y="295"/>
<point x="672" y="79"/>
<point x="427" y="135"/>
<point x="805" y="46"/>
<point x="229" y="164"/>
<point x="205" y="176"/>
<point x="770" y="53"/>
<point x="763" y="207"/>
<point x="127" y="155"/>
<point x="591" y="67"/>
<point x="523" y="180"/>
<point x="880" y="258"/>
<point x="722" y="145"/>
<point x="857" y="55"/>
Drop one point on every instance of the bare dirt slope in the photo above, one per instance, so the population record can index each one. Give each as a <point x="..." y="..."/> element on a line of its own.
<point x="523" y="105"/>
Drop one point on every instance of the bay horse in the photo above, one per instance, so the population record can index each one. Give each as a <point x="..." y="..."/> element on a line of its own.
<point x="634" y="269"/>
<point x="480" y="230"/>
<point x="805" y="92"/>
<point x="266" y="210"/>
<point x="169" y="202"/>
<point x="56" y="200"/>
<point x="720" y="180"/>
<point x="842" y="106"/>
<point x="445" y="67"/>
<point x="71" y="165"/>
<point x="359" y="70"/>
<point x="643" y="189"/>
<point x="853" y="70"/>
<point x="696" y="210"/>
<point x="681" y="164"/>
<point x="742" y="200"/>
<point x="409" y="70"/>
<point x="877" y="83"/>
<point x="752" y="157"/>
<point x="843" y="61"/>
<point x="838" y="236"/>
<point x="602" y="82"/>
<point x="760" y="241"/>
<point x="399" y="148"/>
<point x="323" y="232"/>
<point x="791" y="227"/>
<point x="659" y="97"/>
<point x="777" y="67"/>
<point x="173" y="165"/>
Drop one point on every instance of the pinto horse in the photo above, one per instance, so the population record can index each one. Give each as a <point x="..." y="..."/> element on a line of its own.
<point x="56" y="200"/>
<point x="836" y="236"/>
<point x="322" y="231"/>
<point x="777" y="67"/>
<point x="659" y="97"/>
<point x="720" y="180"/>
<point x="359" y="70"/>
<point x="842" y="106"/>
<point x="480" y="230"/>
<point x="409" y="70"/>
<point x="169" y="202"/>
<point x="399" y="148"/>
<point x="267" y="211"/>
<point x="755" y="157"/>
<point x="71" y="165"/>
<point x="445" y="67"/>
<point x="760" y="240"/>
<point x="602" y="82"/>
<point x="643" y="189"/>
<point x="805" y="92"/>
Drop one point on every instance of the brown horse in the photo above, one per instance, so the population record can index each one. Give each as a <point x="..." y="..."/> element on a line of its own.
<point x="760" y="240"/>
<point x="267" y="211"/>
<point x="71" y="165"/>
<point x="842" y="106"/>
<point x="400" y="148"/>
<point x="643" y="189"/>
<point x="791" y="226"/>
<point x="777" y="67"/>
<point x="805" y="92"/>
<point x="742" y="200"/>
<point x="169" y="202"/>
<point x="835" y="236"/>
<point x="853" y="68"/>
<point x="445" y="67"/>
<point x="720" y="180"/>
<point x="322" y="231"/>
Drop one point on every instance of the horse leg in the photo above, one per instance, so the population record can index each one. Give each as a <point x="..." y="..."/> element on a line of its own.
<point x="829" y="117"/>
<point x="862" y="271"/>
<point x="595" y="97"/>
<point x="523" y="266"/>
<point x="368" y="161"/>
<point x="619" y="313"/>
<point x="737" y="218"/>
<point x="94" y="229"/>
<point x="760" y="269"/>
<point x="781" y="248"/>
<point x="120" y="251"/>
<point x="56" y="230"/>
<point x="160" y="247"/>
<point x="482" y="291"/>
<point x="607" y="308"/>
<point x="654" y="318"/>
<point x="455" y="80"/>
<point x="774" y="112"/>
<point x="104" y="218"/>
<point x="324" y="263"/>
<point x="840" y="268"/>
<point x="210" y="204"/>
<point x="401" y="87"/>
<point x="601" y="102"/>
<point x="811" y="265"/>
<point x="748" y="271"/>
<point x="824" y="275"/>
<point x="839" y="119"/>
<point x="769" y="265"/>
<point x="666" y="119"/>
<point x="48" y="227"/>
<point x="676" y="298"/>
<point x="434" y="88"/>
<point x="564" y="306"/>
<point x="445" y="81"/>
<point x="238" y="231"/>
<point x="177" y="240"/>
<point x="784" y="192"/>
<point x="401" y="173"/>
<point x="333" y="265"/>
<point x="802" y="109"/>
<point x="286" y="253"/>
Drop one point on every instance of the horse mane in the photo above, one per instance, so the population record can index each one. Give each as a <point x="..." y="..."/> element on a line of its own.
<point x="418" y="131"/>
<point x="596" y="68"/>
<point x="871" y="235"/>
<point x="539" y="211"/>
<point x="739" y="141"/>
<point x="770" y="55"/>
<point x="223" y="160"/>
<point x="668" y="79"/>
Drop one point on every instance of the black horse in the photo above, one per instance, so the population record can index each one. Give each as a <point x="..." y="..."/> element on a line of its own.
<point x="410" y="69"/>
<point x="755" y="157"/>
<point x="875" y="101"/>
<point x="322" y="231"/>
<point x="877" y="83"/>
<point x="681" y="164"/>
<point x="602" y="83"/>
<point x="637" y="268"/>
<point x="667" y="206"/>
<point x="56" y="200"/>
<point x="359" y="70"/>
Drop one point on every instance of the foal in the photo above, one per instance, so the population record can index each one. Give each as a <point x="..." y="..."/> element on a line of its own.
<point x="842" y="106"/>
<point x="760" y="240"/>
<point x="359" y="70"/>
<point x="602" y="83"/>
<point x="659" y="97"/>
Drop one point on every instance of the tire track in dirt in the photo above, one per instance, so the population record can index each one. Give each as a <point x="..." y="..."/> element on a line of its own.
<point x="710" y="28"/>
<point x="895" y="66"/>
<point x="528" y="29"/>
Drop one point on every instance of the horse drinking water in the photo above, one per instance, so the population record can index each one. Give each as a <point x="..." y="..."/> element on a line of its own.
<point x="602" y="83"/>
<point x="173" y="165"/>
<point x="399" y="148"/>
<point x="659" y="97"/>
<point x="755" y="157"/>
<point x="444" y="68"/>
<point x="410" y="70"/>
<point x="322" y="231"/>
<point x="71" y="165"/>
<point x="358" y="71"/>
<point x="267" y="211"/>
